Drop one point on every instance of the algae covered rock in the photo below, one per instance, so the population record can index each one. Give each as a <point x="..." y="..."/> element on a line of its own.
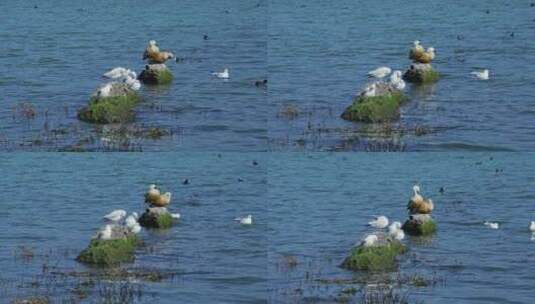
<point x="419" y="224"/>
<point x="156" y="217"/>
<point x="120" y="248"/>
<point x="383" y="107"/>
<point x="421" y="73"/>
<point x="116" y="105"/>
<point x="374" y="258"/>
<point x="156" y="74"/>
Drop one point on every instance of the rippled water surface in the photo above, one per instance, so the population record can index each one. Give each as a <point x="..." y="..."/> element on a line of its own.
<point x="53" y="203"/>
<point x="320" y="51"/>
<point x="320" y="204"/>
<point x="52" y="57"/>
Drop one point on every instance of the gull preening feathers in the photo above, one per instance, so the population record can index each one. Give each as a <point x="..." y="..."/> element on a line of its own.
<point x="491" y="225"/>
<point x="105" y="233"/>
<point x="397" y="81"/>
<point x="381" y="72"/>
<point x="223" y="75"/>
<point x="369" y="240"/>
<point x="115" y="216"/>
<point x="380" y="222"/>
<point x="481" y="75"/>
<point x="246" y="220"/>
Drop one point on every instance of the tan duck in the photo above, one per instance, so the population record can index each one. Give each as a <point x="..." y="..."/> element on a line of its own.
<point x="152" y="195"/>
<point x="417" y="51"/>
<point x="418" y="204"/>
<point x="162" y="200"/>
<point x="425" y="57"/>
<point x="151" y="48"/>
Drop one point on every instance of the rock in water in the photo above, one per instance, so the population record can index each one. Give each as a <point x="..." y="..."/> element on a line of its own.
<point x="120" y="248"/>
<point x="419" y="224"/>
<point x="156" y="74"/>
<point x="382" y="256"/>
<point x="421" y="73"/>
<point x="113" y="102"/>
<point x="382" y="107"/>
<point x="156" y="217"/>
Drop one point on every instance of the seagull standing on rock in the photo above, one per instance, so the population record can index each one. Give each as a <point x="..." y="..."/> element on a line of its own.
<point x="380" y="222"/>
<point x="381" y="72"/>
<point x="115" y="216"/>
<point x="369" y="240"/>
<point x="397" y="81"/>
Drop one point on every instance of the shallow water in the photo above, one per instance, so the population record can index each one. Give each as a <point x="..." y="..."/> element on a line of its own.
<point x="53" y="203"/>
<point x="319" y="53"/>
<point x="53" y="57"/>
<point x="320" y="204"/>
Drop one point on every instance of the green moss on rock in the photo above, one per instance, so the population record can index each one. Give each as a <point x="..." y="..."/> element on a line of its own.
<point x="156" y="76"/>
<point x="156" y="220"/>
<point x="109" y="252"/>
<point x="374" y="258"/>
<point x="421" y="76"/>
<point x="419" y="228"/>
<point x="110" y="110"/>
<point x="381" y="108"/>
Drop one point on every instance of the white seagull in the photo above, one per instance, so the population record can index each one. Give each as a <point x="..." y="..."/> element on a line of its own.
<point x="380" y="222"/>
<point x="119" y="72"/>
<point x="223" y="75"/>
<point x="532" y="226"/>
<point x="370" y="240"/>
<point x="247" y="220"/>
<point x="481" y="75"/>
<point x="105" y="233"/>
<point x="381" y="72"/>
<point x="176" y="216"/>
<point x="131" y="221"/>
<point x="492" y="225"/>
<point x="136" y="228"/>
<point x="115" y="216"/>
<point x="397" y="81"/>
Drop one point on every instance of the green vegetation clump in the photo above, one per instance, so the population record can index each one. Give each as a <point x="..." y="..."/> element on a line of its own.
<point x="374" y="258"/>
<point x="109" y="252"/>
<point x="383" y="108"/>
<point x="421" y="76"/>
<point x="156" y="76"/>
<point x="117" y="109"/>
<point x="419" y="228"/>
<point x="153" y="220"/>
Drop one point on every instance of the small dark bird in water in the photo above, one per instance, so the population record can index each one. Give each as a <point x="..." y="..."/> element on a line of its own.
<point x="35" y="6"/>
<point x="227" y="12"/>
<point x="218" y="155"/>
<point x="487" y="11"/>
<point x="255" y="163"/>
<point x="512" y="34"/>
<point x="260" y="83"/>
<point x="479" y="163"/>
<point x="491" y="158"/>
<point x="205" y="37"/>
<point x="240" y="179"/>
<point x="460" y="37"/>
<point x="185" y="182"/>
<point x="441" y="190"/>
<point x="178" y="59"/>
<point x="532" y="4"/>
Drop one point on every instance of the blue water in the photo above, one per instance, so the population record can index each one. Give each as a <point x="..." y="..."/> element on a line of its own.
<point x="319" y="53"/>
<point x="53" y="57"/>
<point x="53" y="203"/>
<point x="320" y="204"/>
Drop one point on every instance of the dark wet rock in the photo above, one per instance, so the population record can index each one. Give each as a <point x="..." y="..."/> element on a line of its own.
<point x="156" y="217"/>
<point x="115" y="107"/>
<point x="419" y="224"/>
<point x="156" y="74"/>
<point x="383" y="107"/>
<point x="421" y="73"/>
<point x="381" y="257"/>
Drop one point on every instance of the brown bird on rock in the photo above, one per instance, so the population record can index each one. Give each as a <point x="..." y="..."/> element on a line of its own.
<point x="418" y="204"/>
